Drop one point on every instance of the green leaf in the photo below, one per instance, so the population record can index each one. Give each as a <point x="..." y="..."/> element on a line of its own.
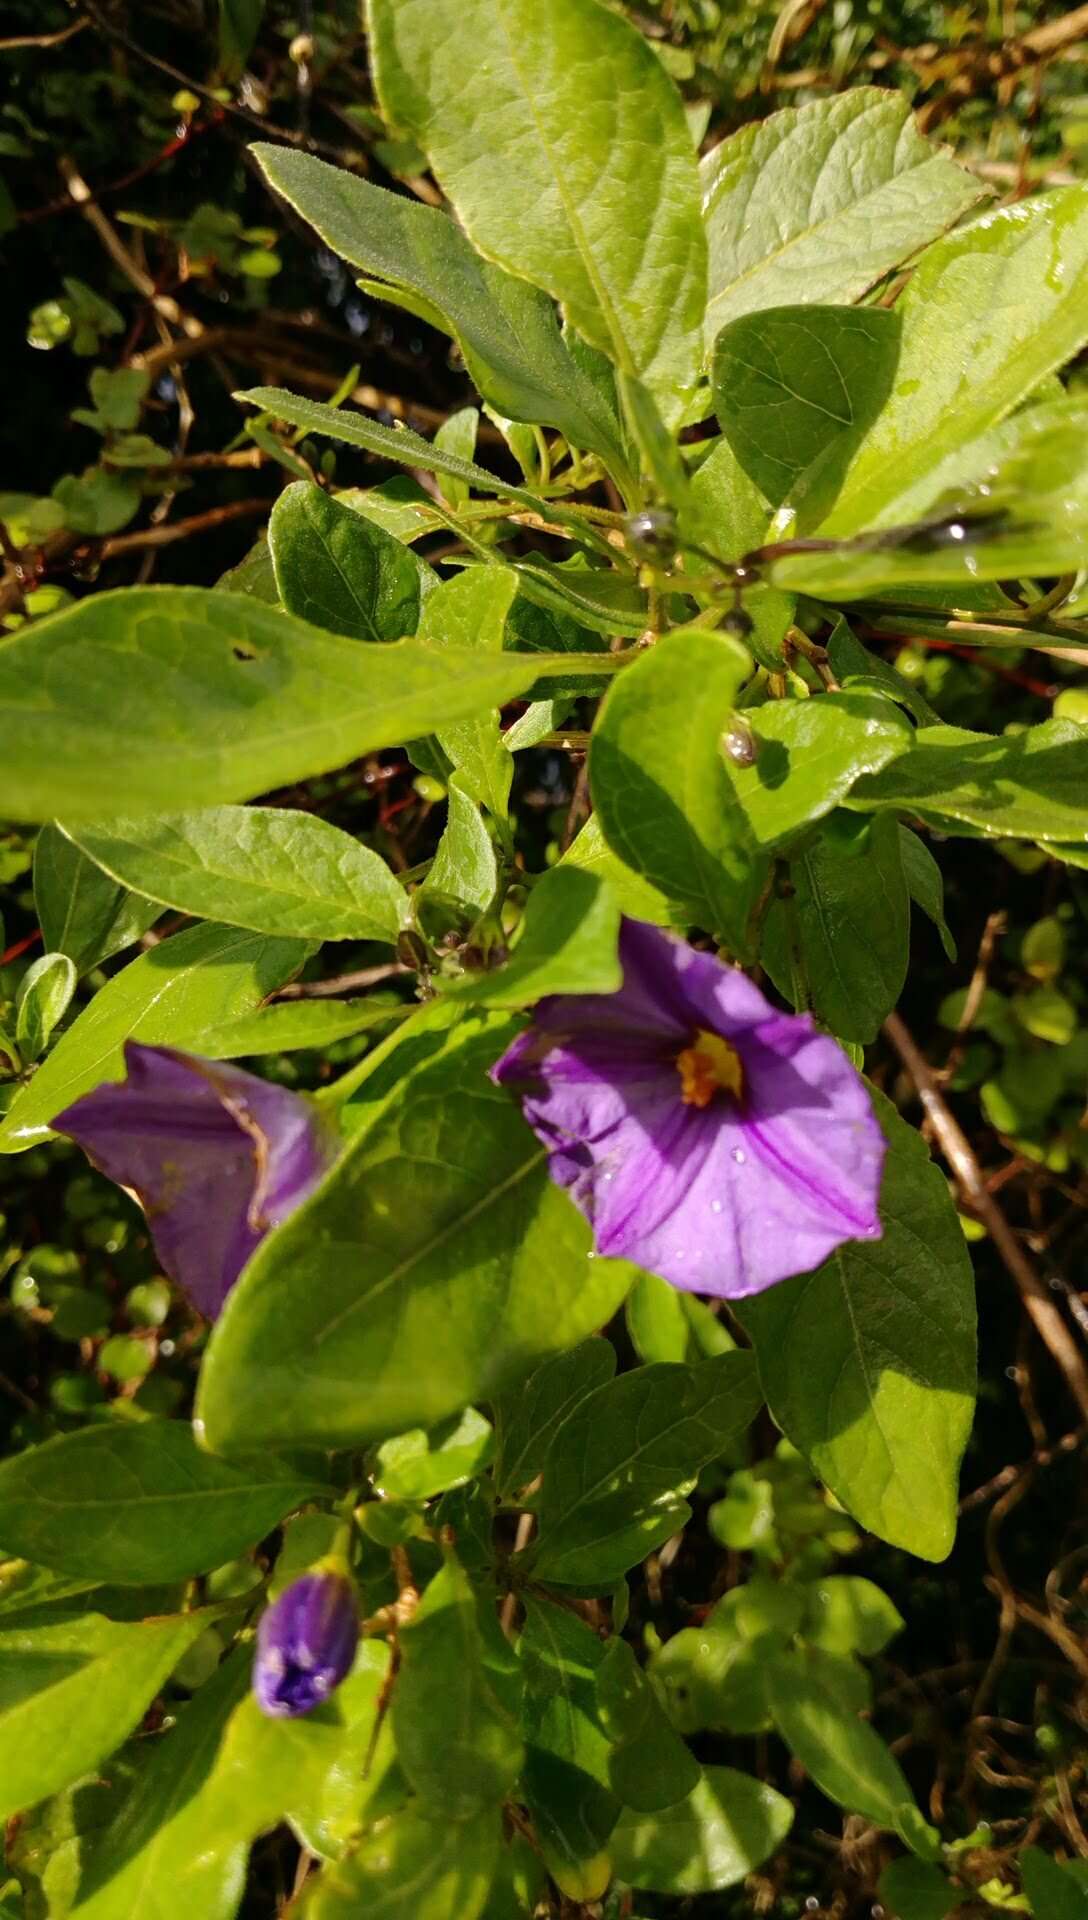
<point x="455" y="1743"/>
<point x="818" y="203"/>
<point x="795" y="391"/>
<point x="568" y="944"/>
<point x="416" y="1465"/>
<point x="914" y="1890"/>
<point x="618" y="1467"/>
<point x="565" y="1779"/>
<point x="1054" y="1892"/>
<point x="840" y="942"/>
<point x="847" y="1614"/>
<point x="859" y="671"/>
<point x="324" y="1772"/>
<point x="505" y="328"/>
<point x="440" y="1212"/>
<point x="591" y="853"/>
<point x="727" y="1826"/>
<point x="415" y="1866"/>
<point x="990" y="311"/>
<point x="271" y="869"/>
<point x="527" y="1419"/>
<point x="142" y="1504"/>
<point x="292" y="1025"/>
<point x="666" y="804"/>
<point x="602" y="600"/>
<point x="206" y="697"/>
<point x="810" y="754"/>
<point x="470" y="612"/>
<point x="177" y="995"/>
<point x="465" y="866"/>
<point x="43" y="997"/>
<point x="649" y="1766"/>
<point x="665" y="1324"/>
<point x="155" y="1853"/>
<point x="868" y="1364"/>
<point x="599" y="209"/>
<point x="73" y="1686"/>
<point x="341" y="571"/>
<point x="239" y="25"/>
<point x="81" y="911"/>
<point x="728" y="515"/>
<point x="847" y="1760"/>
<point x="925" y="884"/>
<point x="1032" y="784"/>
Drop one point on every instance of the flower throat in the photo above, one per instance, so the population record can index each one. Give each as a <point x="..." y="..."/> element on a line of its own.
<point x="708" y="1067"/>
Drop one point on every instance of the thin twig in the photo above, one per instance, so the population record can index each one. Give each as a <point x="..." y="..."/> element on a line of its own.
<point x="165" y="536"/>
<point x="44" y="39"/>
<point x="342" y="983"/>
<point x="957" y="1150"/>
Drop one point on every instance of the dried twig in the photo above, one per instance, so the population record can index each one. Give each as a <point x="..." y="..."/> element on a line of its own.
<point x="341" y="983"/>
<point x="957" y="1150"/>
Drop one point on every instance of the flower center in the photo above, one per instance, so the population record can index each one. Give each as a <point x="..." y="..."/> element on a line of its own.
<point x="709" y="1066"/>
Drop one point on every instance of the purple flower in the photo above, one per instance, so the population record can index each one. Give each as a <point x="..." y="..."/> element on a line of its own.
<point x="215" y="1157"/>
<point x="705" y="1135"/>
<point x="305" y="1644"/>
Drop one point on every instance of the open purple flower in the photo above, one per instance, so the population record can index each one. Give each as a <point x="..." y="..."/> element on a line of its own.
<point x="705" y="1135"/>
<point x="305" y="1644"/>
<point x="215" y="1156"/>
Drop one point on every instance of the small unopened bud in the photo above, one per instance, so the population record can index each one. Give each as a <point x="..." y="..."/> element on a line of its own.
<point x="305" y="1644"/>
<point x="301" y="49"/>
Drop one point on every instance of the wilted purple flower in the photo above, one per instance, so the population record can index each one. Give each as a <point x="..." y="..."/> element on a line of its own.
<point x="305" y="1644"/>
<point x="215" y="1156"/>
<point x="705" y="1135"/>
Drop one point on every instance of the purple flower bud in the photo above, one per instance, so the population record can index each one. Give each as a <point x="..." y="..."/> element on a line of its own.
<point x="215" y="1157"/>
<point x="305" y="1644"/>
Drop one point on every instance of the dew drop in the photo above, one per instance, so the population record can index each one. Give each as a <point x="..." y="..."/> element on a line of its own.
<point x="715" y="1206"/>
<point x="678" y="1254"/>
<point x="739" y="1156"/>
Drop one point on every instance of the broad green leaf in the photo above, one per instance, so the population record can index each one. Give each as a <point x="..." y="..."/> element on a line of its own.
<point x="457" y="434"/>
<point x="925" y="884"/>
<point x="590" y="851"/>
<point x="48" y="1846"/>
<point x="527" y="1419"/>
<point x="178" y="994"/>
<point x="618" y="1467"/>
<point x="817" y="203"/>
<point x="665" y="1324"/>
<point x="810" y="753"/>
<point x="727" y="514"/>
<point x="727" y="1826"/>
<point x="313" y="1770"/>
<point x="859" y="671"/>
<point x="605" y="601"/>
<point x="868" y="1364"/>
<point x="840" y="941"/>
<point x="796" y="389"/>
<point x="457" y="1746"/>
<point x="81" y="911"/>
<point x="294" y="1024"/>
<point x="72" y="1687"/>
<point x="154" y="1856"/>
<point x="666" y="804"/>
<point x="600" y="208"/>
<point x="565" y="1778"/>
<point x="568" y="944"/>
<point x="416" y="1465"/>
<point x="206" y="697"/>
<point x="272" y="869"/>
<point x="470" y="612"/>
<point x="649" y="1766"/>
<point x="254" y="575"/>
<point x="440" y="1212"/>
<point x="914" y="1890"/>
<point x="415" y="1866"/>
<point x="465" y="866"/>
<point x="42" y="999"/>
<point x="340" y="571"/>
<point x="505" y="328"/>
<point x="1056" y="1892"/>
<point x="990" y="311"/>
<point x="1032" y="784"/>
<point x="846" y="1758"/>
<point x="239" y="25"/>
<point x="140" y="1504"/>
<point x="847" y="1614"/>
<point x="1022" y="492"/>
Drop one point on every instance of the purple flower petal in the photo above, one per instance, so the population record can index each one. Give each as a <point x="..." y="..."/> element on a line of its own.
<point x="215" y="1156"/>
<point x="305" y="1644"/>
<point x="724" y="1197"/>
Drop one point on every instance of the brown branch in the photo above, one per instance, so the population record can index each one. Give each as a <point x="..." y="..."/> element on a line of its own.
<point x="43" y="39"/>
<point x="166" y="535"/>
<point x="957" y="1150"/>
<point x="342" y="983"/>
<point x="127" y="264"/>
<point x="1042" y="1457"/>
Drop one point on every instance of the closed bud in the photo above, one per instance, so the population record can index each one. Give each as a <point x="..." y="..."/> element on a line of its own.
<point x="305" y="1644"/>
